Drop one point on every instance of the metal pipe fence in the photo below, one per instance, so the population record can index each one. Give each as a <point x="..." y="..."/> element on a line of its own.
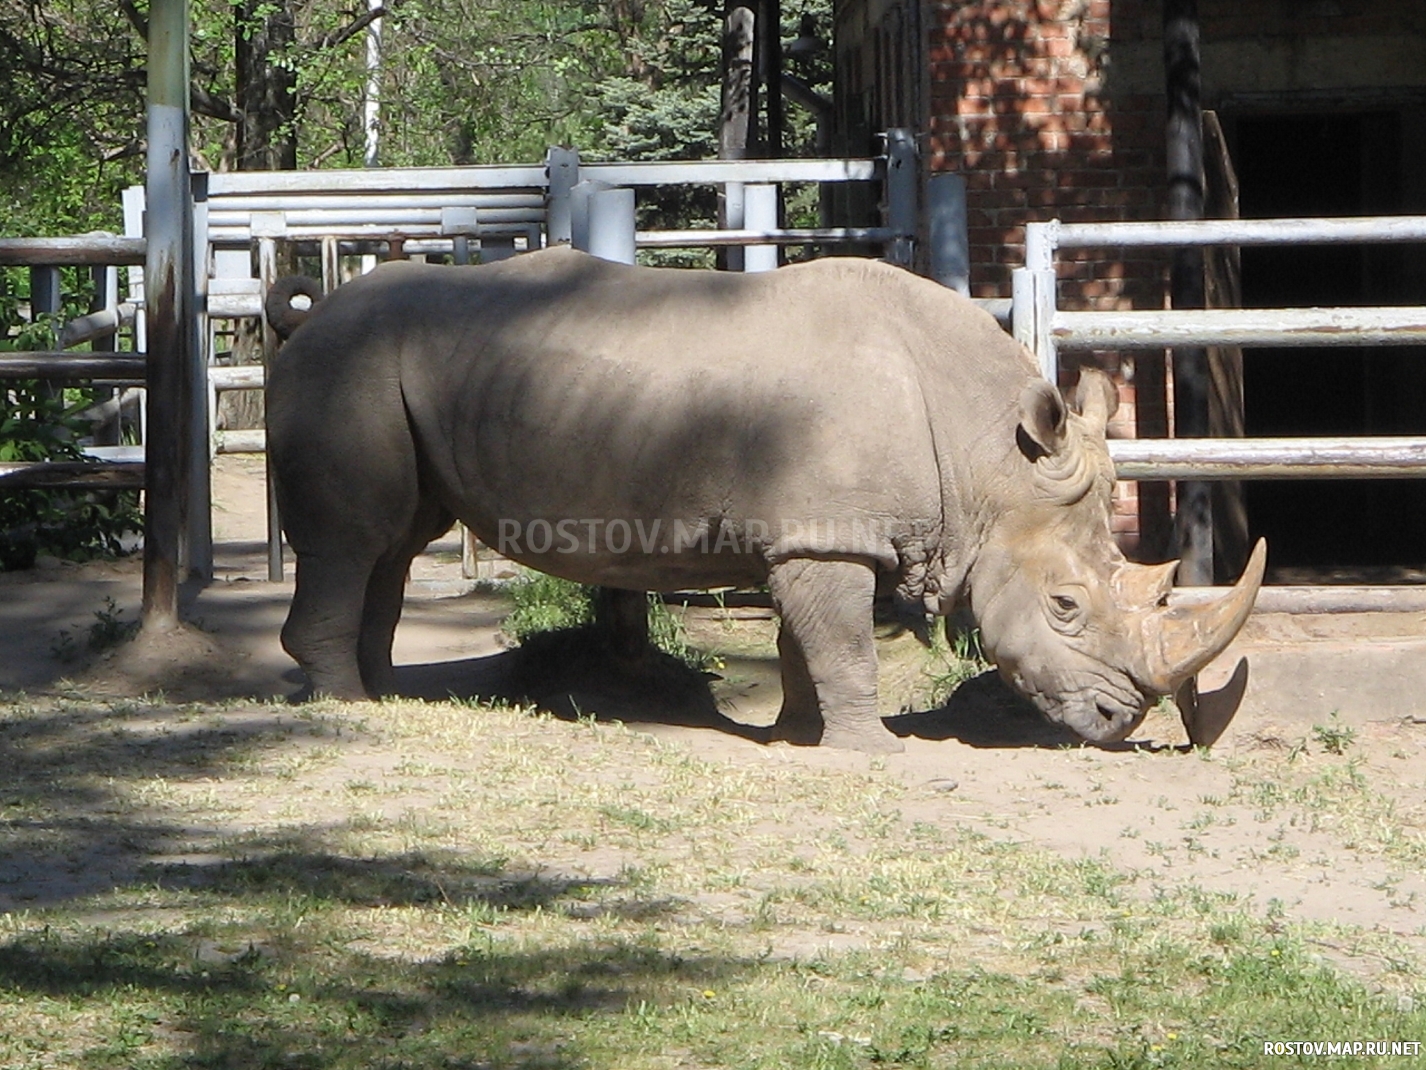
<point x="1045" y="330"/>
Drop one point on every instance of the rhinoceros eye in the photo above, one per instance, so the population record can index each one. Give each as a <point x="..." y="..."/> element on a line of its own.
<point x="1065" y="604"/>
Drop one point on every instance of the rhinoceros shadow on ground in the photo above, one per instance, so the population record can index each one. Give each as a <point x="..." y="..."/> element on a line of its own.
<point x="572" y="674"/>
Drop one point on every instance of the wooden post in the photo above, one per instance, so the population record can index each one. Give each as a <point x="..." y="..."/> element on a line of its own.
<point x="168" y="293"/>
<point x="1194" y="516"/>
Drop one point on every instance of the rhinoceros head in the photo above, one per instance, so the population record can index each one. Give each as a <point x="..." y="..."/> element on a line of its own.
<point x="1073" y="625"/>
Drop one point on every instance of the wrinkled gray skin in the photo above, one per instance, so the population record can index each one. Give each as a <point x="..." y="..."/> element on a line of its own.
<point x="835" y="429"/>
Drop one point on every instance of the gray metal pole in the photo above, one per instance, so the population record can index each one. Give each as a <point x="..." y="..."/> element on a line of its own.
<point x="760" y="213"/>
<point x="562" y="171"/>
<point x="197" y="543"/>
<point x="168" y="289"/>
<point x="901" y="183"/>
<point x="949" y="232"/>
<point x="611" y="225"/>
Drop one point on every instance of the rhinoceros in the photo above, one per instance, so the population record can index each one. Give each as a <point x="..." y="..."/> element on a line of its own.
<point x="833" y="429"/>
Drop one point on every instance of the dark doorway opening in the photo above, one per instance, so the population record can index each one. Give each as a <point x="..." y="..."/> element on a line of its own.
<point x="1331" y="165"/>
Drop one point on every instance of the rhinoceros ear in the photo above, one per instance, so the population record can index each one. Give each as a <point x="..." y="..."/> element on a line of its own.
<point x="1096" y="398"/>
<point x="1043" y="417"/>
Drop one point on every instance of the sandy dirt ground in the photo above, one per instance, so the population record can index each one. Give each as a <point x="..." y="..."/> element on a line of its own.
<point x="1151" y="805"/>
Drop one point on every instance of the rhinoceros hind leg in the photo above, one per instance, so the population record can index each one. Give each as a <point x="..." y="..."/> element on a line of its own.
<point x="324" y="623"/>
<point x="622" y="618"/>
<point x="385" y="590"/>
<point x="828" y="655"/>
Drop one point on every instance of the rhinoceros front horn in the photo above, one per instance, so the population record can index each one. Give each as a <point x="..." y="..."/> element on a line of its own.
<point x="1181" y="640"/>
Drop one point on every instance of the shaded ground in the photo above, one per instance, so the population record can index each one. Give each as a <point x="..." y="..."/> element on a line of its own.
<point x="982" y="762"/>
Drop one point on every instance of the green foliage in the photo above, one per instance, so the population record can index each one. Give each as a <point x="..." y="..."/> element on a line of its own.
<point x="40" y="424"/>
<point x="546" y="604"/>
<point x="1334" y="737"/>
<point x="953" y="661"/>
<point x="107" y="631"/>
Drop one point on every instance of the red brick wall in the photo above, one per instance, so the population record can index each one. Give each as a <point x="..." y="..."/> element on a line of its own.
<point x="1019" y="102"/>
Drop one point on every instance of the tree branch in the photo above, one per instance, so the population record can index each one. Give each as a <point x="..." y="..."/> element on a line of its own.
<point x="336" y="37"/>
<point x="136" y="18"/>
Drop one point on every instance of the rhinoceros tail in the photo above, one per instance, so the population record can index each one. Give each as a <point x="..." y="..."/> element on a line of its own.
<point x="284" y="316"/>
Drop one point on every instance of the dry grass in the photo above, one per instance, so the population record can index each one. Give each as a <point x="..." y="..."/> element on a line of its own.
<point x="442" y="885"/>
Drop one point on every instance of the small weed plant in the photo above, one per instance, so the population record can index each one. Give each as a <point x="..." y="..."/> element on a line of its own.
<point x="1334" y="737"/>
<point x="954" y="660"/>
<point x="107" y="632"/>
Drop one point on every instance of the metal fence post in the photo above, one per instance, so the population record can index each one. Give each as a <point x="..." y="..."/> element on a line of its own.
<point x="168" y="289"/>
<point x="267" y="272"/>
<point x="1037" y="288"/>
<point x="901" y="183"/>
<point x="579" y="197"/>
<point x="197" y="546"/>
<point x="949" y="234"/>
<point x="760" y="213"/>
<point x="611" y="225"/>
<point x="562" y="172"/>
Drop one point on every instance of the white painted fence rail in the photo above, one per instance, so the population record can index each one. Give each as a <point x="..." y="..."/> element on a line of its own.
<point x="1278" y="327"/>
<point x="1045" y="330"/>
<point x="1381" y="457"/>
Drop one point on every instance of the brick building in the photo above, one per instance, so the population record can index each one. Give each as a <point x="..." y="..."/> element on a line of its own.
<point x="1056" y="109"/>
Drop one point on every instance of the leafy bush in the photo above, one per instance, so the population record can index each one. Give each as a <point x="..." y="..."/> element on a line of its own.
<point x="548" y="604"/>
<point x="38" y="424"/>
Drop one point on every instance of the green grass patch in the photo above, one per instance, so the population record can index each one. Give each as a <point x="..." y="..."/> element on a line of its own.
<point x="200" y="887"/>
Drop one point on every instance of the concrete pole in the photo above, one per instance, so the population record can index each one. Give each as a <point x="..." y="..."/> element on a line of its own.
<point x="168" y="292"/>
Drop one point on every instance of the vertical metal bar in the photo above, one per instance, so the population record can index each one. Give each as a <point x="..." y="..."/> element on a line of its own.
<point x="949" y="233"/>
<point x="197" y="545"/>
<point x="46" y="300"/>
<point x="901" y="183"/>
<point x="331" y="264"/>
<point x="168" y="288"/>
<point x="106" y="296"/>
<point x="581" y="197"/>
<point x="267" y="272"/>
<point x="1022" y="307"/>
<point x="734" y="213"/>
<point x="562" y="172"/>
<point x="760" y="213"/>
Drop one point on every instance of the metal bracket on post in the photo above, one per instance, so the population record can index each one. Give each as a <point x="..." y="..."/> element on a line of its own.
<point x="562" y="172"/>
<point x="901" y="183"/>
<point x="949" y="233"/>
<point x="760" y="213"/>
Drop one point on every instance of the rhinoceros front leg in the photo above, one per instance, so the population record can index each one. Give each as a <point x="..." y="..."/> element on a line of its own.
<point x="828" y="655"/>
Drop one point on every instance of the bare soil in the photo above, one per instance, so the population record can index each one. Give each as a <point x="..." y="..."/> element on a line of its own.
<point x="1321" y="847"/>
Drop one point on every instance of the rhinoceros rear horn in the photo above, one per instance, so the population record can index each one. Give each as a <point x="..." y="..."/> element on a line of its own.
<point x="1181" y="640"/>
